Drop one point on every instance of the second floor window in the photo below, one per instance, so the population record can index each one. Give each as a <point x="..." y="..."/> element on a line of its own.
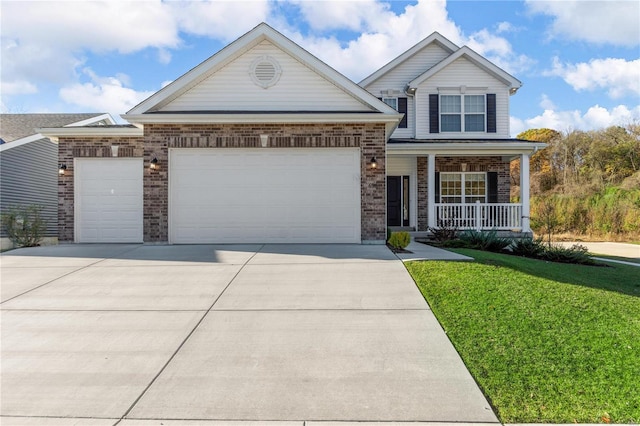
<point x="392" y="102"/>
<point x="459" y="112"/>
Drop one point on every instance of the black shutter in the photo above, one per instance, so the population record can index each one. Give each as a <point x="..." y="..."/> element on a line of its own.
<point x="434" y="114"/>
<point x="491" y="113"/>
<point x="402" y="108"/>
<point x="437" y="184"/>
<point x="492" y="187"/>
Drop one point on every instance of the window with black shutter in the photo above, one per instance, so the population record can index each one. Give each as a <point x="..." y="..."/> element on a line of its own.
<point x="434" y="114"/>
<point x="491" y="113"/>
<point x="402" y="108"/>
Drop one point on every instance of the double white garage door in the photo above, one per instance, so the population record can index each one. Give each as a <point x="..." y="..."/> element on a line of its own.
<point x="229" y="196"/>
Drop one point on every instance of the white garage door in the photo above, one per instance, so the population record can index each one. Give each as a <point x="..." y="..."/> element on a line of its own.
<point x="264" y="195"/>
<point x="108" y="200"/>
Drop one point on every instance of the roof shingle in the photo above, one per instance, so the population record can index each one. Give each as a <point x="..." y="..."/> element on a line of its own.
<point x="18" y="126"/>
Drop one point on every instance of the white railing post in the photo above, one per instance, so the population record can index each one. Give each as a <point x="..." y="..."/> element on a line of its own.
<point x="431" y="190"/>
<point x="524" y="191"/>
<point x="478" y="210"/>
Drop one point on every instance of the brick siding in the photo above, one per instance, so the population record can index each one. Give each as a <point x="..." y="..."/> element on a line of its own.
<point x="159" y="138"/>
<point x="90" y="147"/>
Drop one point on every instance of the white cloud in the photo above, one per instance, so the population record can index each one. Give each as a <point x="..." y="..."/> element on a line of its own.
<point x="222" y="20"/>
<point x="599" y="22"/>
<point x="19" y="87"/>
<point x="355" y="15"/>
<point x="47" y="42"/>
<point x="596" y="117"/>
<point x="108" y="94"/>
<point x="618" y="76"/>
<point x="386" y="34"/>
<point x="499" y="51"/>
<point x="547" y="103"/>
<point x="506" y="27"/>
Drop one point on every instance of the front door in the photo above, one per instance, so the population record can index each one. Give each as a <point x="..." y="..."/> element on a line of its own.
<point x="397" y="200"/>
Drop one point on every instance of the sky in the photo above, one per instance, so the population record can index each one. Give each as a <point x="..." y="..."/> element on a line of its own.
<point x="579" y="60"/>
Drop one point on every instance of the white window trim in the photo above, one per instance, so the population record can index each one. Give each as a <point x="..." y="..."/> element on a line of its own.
<point x="462" y="112"/>
<point x="462" y="188"/>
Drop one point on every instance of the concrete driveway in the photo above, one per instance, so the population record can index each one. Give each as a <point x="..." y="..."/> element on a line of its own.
<point x="139" y="335"/>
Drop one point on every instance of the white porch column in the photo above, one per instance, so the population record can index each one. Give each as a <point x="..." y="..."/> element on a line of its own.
<point x="431" y="190"/>
<point x="524" y="192"/>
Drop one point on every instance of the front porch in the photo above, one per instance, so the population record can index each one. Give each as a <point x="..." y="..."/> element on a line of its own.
<point x="457" y="185"/>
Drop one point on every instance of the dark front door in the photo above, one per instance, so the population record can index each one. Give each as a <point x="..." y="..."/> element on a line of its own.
<point x="394" y="200"/>
<point x="397" y="200"/>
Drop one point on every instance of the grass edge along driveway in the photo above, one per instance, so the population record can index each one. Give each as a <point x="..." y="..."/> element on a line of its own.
<point x="546" y="342"/>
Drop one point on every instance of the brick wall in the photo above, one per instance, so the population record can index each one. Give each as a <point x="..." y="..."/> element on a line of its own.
<point x="160" y="137"/>
<point x="74" y="147"/>
<point x="453" y="164"/>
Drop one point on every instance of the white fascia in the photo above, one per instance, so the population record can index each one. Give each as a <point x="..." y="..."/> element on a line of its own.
<point x="460" y="149"/>
<point x="55" y="132"/>
<point x="92" y="120"/>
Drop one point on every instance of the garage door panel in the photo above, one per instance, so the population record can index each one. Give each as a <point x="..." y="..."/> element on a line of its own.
<point x="264" y="195"/>
<point x="109" y="200"/>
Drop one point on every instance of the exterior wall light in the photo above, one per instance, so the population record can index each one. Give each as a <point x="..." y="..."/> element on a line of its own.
<point x="463" y="167"/>
<point x="153" y="165"/>
<point x="62" y="168"/>
<point x="373" y="163"/>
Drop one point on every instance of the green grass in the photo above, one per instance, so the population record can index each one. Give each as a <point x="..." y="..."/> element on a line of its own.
<point x="546" y="342"/>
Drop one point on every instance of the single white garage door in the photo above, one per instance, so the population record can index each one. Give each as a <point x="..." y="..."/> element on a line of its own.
<point x="108" y="200"/>
<point x="264" y="195"/>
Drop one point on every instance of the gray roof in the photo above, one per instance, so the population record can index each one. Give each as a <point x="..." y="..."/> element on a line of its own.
<point x="18" y="126"/>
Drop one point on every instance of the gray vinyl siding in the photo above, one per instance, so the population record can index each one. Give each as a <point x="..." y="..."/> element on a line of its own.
<point x="29" y="175"/>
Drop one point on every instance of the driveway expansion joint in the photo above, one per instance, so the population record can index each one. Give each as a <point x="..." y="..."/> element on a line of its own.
<point x="181" y="345"/>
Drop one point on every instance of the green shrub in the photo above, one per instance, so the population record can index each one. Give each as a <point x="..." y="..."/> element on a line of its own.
<point x="399" y="240"/>
<point x="528" y="247"/>
<point x="575" y="254"/>
<point x="455" y="243"/>
<point x="24" y="225"/>
<point x="483" y="240"/>
<point x="447" y="231"/>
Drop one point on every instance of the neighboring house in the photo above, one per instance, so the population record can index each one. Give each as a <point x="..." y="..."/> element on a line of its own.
<point x="264" y="143"/>
<point x="448" y="160"/>
<point x="29" y="163"/>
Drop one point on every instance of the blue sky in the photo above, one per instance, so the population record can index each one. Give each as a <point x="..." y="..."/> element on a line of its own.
<point x="579" y="60"/>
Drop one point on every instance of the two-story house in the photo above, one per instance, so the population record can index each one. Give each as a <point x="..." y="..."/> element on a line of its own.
<point x="265" y="143"/>
<point x="448" y="160"/>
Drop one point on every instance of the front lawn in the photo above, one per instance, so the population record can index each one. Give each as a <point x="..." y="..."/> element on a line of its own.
<point x="547" y="343"/>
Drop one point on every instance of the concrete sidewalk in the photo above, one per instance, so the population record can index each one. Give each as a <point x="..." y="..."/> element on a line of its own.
<point x="204" y="335"/>
<point x="421" y="251"/>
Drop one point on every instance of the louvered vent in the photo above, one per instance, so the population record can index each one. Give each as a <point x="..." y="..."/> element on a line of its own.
<point x="265" y="71"/>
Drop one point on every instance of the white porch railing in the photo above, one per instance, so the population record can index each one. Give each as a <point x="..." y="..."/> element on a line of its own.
<point x="479" y="216"/>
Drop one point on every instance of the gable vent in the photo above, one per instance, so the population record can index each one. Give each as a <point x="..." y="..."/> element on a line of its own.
<point x="265" y="71"/>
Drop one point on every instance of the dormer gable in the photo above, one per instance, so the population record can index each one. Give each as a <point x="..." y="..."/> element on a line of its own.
<point x="437" y="42"/>
<point x="479" y="61"/>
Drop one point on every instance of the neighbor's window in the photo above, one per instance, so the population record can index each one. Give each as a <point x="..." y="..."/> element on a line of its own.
<point x="392" y="102"/>
<point x="459" y="112"/>
<point x="470" y="187"/>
